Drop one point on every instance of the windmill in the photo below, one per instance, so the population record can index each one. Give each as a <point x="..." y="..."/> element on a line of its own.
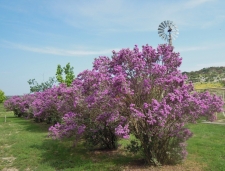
<point x="168" y="31"/>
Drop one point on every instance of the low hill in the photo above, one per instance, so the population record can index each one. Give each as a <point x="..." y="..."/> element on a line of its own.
<point x="211" y="74"/>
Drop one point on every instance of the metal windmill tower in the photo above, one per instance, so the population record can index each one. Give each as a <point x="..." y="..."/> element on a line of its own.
<point x="168" y="31"/>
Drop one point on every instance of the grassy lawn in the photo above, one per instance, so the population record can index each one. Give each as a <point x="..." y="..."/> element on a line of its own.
<point x="24" y="145"/>
<point x="208" y="145"/>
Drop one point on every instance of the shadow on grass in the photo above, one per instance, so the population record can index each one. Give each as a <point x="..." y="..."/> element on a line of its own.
<point x="61" y="156"/>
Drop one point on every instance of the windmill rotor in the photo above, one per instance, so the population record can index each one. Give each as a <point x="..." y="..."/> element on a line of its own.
<point x="168" y="31"/>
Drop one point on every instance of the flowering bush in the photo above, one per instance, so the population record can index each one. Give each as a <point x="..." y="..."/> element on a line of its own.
<point x="20" y="105"/>
<point x="99" y="111"/>
<point x="157" y="101"/>
<point x="139" y="92"/>
<point x="143" y="93"/>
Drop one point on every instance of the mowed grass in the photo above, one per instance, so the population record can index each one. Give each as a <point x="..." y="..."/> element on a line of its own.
<point x="207" y="146"/>
<point x="24" y="145"/>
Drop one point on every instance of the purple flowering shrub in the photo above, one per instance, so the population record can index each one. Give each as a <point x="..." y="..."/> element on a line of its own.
<point x="99" y="111"/>
<point x="139" y="92"/>
<point x="143" y="93"/>
<point x="46" y="105"/>
<point x="43" y="106"/>
<point x="158" y="102"/>
<point x="13" y="104"/>
<point x="20" y="105"/>
<point x="70" y="127"/>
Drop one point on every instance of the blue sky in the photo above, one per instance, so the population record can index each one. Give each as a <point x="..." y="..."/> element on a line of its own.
<point x="36" y="36"/>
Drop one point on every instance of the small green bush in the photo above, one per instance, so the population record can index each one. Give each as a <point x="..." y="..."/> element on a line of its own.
<point x="2" y="96"/>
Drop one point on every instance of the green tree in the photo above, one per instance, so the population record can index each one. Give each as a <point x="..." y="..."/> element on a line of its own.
<point x="2" y="96"/>
<point x="68" y="72"/>
<point x="35" y="87"/>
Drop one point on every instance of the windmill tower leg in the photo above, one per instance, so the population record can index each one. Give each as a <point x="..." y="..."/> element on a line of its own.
<point x="170" y="41"/>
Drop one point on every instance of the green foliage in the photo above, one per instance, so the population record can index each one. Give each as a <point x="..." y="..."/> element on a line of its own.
<point x="211" y="74"/>
<point x="2" y="96"/>
<point x="68" y="72"/>
<point x="35" y="87"/>
<point x="59" y="73"/>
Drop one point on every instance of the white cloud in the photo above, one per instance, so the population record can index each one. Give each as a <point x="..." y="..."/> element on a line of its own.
<point x="57" y="51"/>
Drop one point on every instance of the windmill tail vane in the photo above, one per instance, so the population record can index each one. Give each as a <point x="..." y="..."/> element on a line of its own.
<point x="168" y="31"/>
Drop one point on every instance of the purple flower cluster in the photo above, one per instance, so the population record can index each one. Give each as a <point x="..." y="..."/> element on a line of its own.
<point x="136" y="91"/>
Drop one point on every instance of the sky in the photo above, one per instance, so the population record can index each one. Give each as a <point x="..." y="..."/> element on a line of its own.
<point x="36" y="36"/>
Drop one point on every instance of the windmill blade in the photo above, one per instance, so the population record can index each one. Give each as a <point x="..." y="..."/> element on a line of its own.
<point x="162" y="23"/>
<point x="166" y="37"/>
<point x="161" y="27"/>
<point x="174" y="36"/>
<point x="174" y="28"/>
<point x="165" y="23"/>
<point x="162" y="35"/>
<point x="168" y="22"/>
<point x="172" y="25"/>
<point x="162" y="32"/>
<point x="174" y="32"/>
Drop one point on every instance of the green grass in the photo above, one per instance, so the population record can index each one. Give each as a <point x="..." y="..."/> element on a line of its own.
<point x="207" y="146"/>
<point x="24" y="145"/>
